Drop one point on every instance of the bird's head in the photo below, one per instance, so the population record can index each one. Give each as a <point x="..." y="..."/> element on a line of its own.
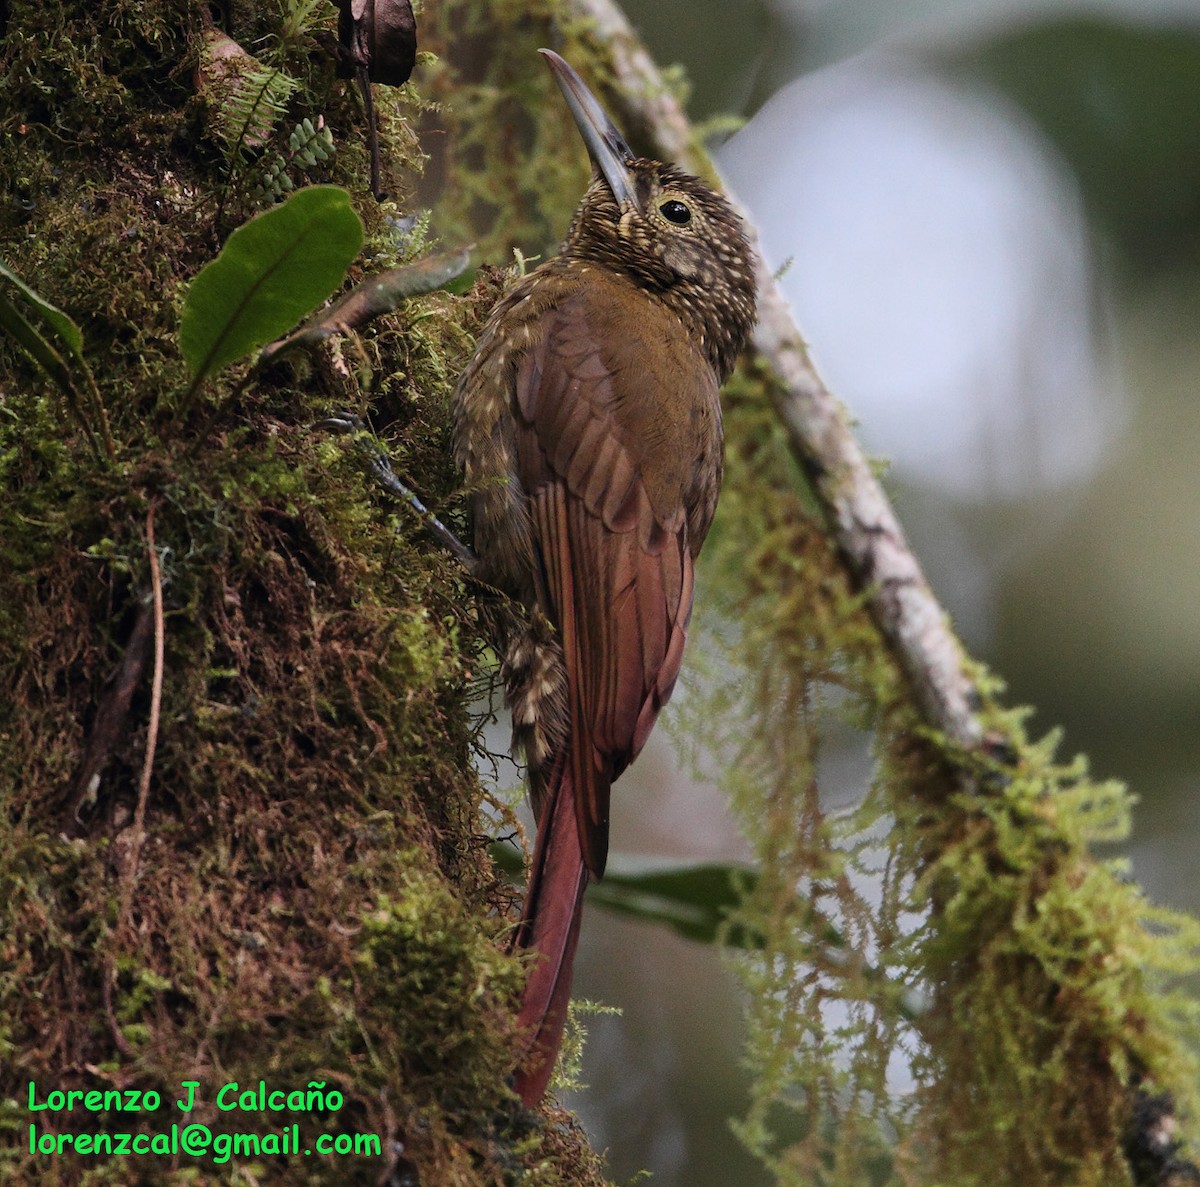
<point x="663" y="228"/>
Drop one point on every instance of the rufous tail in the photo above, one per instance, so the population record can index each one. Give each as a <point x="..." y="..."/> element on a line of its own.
<point x="549" y="928"/>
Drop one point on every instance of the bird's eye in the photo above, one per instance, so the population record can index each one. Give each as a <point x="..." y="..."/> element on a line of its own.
<point x="675" y="212"/>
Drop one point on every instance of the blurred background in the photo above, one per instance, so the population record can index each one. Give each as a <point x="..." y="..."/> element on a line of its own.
<point x="989" y="213"/>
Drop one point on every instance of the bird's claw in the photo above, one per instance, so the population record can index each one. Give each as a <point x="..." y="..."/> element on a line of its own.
<point x="381" y="466"/>
<point x="342" y="422"/>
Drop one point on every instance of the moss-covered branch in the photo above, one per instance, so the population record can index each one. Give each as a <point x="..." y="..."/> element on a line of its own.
<point x="1053" y="1013"/>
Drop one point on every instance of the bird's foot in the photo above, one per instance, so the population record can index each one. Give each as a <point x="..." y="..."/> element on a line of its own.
<point x="380" y="465"/>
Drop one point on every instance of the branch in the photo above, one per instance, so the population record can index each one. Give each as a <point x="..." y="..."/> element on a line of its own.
<point x="864" y="526"/>
<point x="861" y="520"/>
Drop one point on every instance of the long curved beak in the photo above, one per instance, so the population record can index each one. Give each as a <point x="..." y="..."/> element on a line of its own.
<point x="605" y="144"/>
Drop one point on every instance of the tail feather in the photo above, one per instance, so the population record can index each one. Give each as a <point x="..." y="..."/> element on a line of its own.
<point x="549" y="927"/>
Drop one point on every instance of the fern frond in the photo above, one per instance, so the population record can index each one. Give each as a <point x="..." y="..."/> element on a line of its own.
<point x="254" y="108"/>
<point x="270" y="105"/>
<point x="309" y="145"/>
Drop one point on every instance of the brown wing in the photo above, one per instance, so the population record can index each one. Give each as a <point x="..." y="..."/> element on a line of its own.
<point x="608" y="471"/>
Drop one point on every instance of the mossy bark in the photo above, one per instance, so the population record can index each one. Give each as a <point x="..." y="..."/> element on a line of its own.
<point x="310" y="900"/>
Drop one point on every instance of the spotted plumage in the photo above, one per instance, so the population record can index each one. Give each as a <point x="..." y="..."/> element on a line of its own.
<point x="588" y="428"/>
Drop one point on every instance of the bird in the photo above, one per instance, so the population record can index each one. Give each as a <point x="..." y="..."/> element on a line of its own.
<point x="587" y="426"/>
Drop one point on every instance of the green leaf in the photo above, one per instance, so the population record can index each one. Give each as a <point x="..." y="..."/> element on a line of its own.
<point x="373" y="298"/>
<point x="34" y="343"/>
<point x="272" y="271"/>
<point x="508" y="858"/>
<point x="55" y="343"/>
<point x="695" y="901"/>
<point x="51" y="315"/>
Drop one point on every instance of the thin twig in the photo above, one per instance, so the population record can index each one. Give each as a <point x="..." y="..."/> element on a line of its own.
<point x="109" y="724"/>
<point x="97" y="402"/>
<point x="139" y="817"/>
<point x="364" y="82"/>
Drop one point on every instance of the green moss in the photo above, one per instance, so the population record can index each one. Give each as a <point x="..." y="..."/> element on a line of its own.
<point x="312" y="898"/>
<point x="956" y="922"/>
<point x="506" y="165"/>
<point x="428" y="981"/>
<point x="1053" y="975"/>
